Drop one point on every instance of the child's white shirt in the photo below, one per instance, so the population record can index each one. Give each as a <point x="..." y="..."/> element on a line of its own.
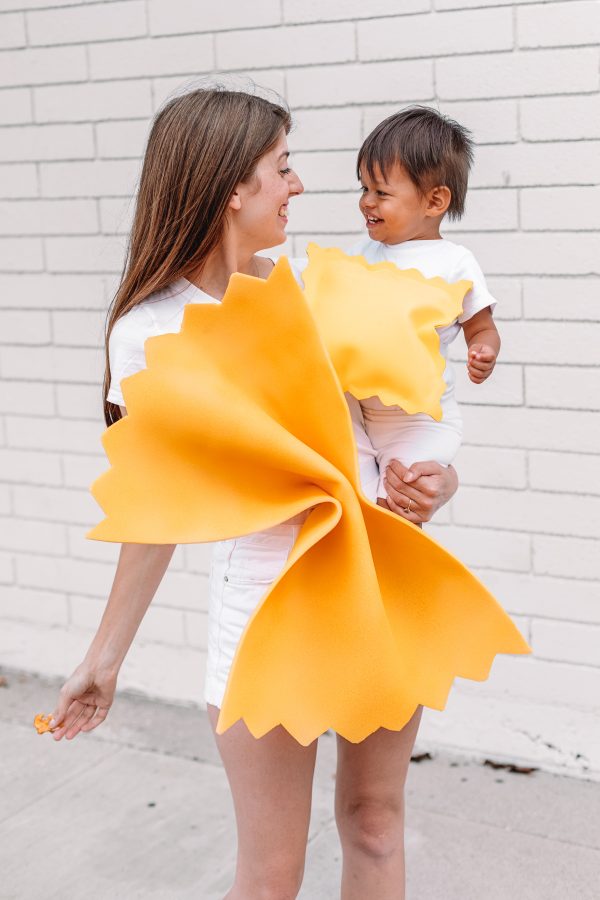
<point x="393" y="433"/>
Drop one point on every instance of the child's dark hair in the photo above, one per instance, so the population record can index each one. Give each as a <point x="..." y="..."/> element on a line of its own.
<point x="432" y="148"/>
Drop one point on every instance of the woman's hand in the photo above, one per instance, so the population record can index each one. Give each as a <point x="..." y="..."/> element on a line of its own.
<point x="84" y="701"/>
<point x="418" y="492"/>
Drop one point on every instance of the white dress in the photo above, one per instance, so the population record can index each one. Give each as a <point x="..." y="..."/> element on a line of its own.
<point x="242" y="569"/>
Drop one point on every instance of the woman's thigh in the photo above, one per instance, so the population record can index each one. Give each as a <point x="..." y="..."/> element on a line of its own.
<point x="271" y="784"/>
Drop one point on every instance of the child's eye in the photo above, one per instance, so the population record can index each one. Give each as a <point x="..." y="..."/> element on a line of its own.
<point x="363" y="189"/>
<point x="382" y="193"/>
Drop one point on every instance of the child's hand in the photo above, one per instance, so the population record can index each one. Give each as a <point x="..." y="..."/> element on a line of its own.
<point x="480" y="362"/>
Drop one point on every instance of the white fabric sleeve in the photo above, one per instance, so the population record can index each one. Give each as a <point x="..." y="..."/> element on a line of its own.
<point x="479" y="297"/>
<point x="126" y="354"/>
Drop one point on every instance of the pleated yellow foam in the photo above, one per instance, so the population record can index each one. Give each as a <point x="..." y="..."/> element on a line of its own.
<point x="239" y="422"/>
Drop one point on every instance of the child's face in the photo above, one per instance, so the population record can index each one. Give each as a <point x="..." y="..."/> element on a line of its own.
<point x="394" y="209"/>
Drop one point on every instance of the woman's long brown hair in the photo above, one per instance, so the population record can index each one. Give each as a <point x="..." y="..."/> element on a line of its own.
<point x="200" y="147"/>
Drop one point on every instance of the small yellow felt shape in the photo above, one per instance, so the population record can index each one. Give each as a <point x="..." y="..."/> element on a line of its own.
<point x="378" y="323"/>
<point x="238" y="423"/>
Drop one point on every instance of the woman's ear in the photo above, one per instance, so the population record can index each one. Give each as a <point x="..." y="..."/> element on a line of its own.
<point x="235" y="201"/>
<point x="438" y="200"/>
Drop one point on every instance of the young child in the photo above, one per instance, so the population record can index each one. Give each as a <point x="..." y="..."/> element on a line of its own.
<point x="414" y="170"/>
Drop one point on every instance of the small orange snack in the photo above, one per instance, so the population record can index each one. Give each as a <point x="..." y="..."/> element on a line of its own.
<point x="42" y="723"/>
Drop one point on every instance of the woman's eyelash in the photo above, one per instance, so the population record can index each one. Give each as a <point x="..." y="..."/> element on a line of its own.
<point x="285" y="171"/>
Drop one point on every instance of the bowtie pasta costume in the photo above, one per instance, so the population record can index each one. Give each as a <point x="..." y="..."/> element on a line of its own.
<point x="326" y="611"/>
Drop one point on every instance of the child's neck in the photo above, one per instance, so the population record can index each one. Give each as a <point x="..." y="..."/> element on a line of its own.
<point x="422" y="234"/>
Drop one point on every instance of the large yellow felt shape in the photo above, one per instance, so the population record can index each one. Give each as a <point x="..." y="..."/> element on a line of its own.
<point x="378" y="323"/>
<point x="238" y="423"/>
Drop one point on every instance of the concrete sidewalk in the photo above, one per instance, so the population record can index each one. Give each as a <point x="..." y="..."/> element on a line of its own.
<point x="141" y="809"/>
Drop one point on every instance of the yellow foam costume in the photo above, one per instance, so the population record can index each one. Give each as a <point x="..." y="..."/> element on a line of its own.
<point x="238" y="423"/>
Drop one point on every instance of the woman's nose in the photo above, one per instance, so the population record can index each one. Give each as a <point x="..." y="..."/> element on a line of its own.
<point x="295" y="185"/>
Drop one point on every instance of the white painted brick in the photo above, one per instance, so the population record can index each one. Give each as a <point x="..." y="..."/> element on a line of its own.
<point x="490" y="121"/>
<point x="42" y="66"/>
<point x="508" y="293"/>
<point x="80" y="471"/>
<point x="559" y="24"/>
<point x="196" y="629"/>
<point x="159" y="625"/>
<point x="81" y="547"/>
<point x="326" y="129"/>
<point x="29" y="468"/>
<point x="328" y="212"/>
<point x="31" y="536"/>
<point x="52" y="291"/>
<point x="53" y="363"/>
<point x="492" y="467"/>
<point x="15" y="106"/>
<point x="536" y="429"/>
<point x="575" y="473"/>
<point x="532" y="510"/>
<point x="536" y="595"/>
<point x="271" y="80"/>
<point x="5" y="501"/>
<point x="91" y="22"/>
<point x="158" y="56"/>
<point x="63" y="574"/>
<point x="122" y="140"/>
<point x="23" y="217"/>
<point x="93" y="101"/>
<point x="329" y="171"/>
<point x="296" y="46"/>
<point x="54" y="504"/>
<point x="551" y="342"/>
<point x="41" y="142"/>
<point x="517" y="75"/>
<point x="534" y="165"/>
<point x="18" y="181"/>
<point x="198" y="557"/>
<point x="567" y="642"/>
<point x="84" y="329"/>
<point x="485" y="548"/>
<point x="460" y="4"/>
<point x="116" y="214"/>
<point x="79" y="401"/>
<point x="487" y="210"/>
<point x="391" y="82"/>
<point x="183" y="590"/>
<point x="116" y="178"/>
<point x="315" y="10"/>
<point x="37" y="4"/>
<point x="32" y="433"/>
<point x="41" y="607"/>
<point x="435" y="34"/>
<point x="12" y="30"/>
<point x="21" y="255"/>
<point x="178" y="16"/>
<point x="560" y="253"/>
<point x="561" y="298"/>
<point x="85" y="254"/>
<point x="563" y="388"/>
<point x="24" y="327"/>
<point x="7" y="574"/>
<point x="544" y="119"/>
<point x="561" y="209"/>
<point x="503" y="388"/>
<point x="569" y="557"/>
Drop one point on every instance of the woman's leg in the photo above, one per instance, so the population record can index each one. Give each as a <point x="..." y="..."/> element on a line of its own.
<point x="369" y="811"/>
<point x="271" y="783"/>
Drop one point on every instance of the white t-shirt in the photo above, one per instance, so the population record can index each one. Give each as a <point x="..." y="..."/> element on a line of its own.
<point x="449" y="261"/>
<point x="162" y="313"/>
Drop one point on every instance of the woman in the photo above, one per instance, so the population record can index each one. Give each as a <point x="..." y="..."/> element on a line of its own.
<point x="214" y="191"/>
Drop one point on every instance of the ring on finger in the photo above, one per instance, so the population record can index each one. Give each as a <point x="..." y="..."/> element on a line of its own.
<point x="407" y="508"/>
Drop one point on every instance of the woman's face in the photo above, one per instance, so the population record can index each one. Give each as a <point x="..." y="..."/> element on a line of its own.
<point x="261" y="212"/>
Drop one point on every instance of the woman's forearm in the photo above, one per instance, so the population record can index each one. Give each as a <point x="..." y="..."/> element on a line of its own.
<point x="139" y="572"/>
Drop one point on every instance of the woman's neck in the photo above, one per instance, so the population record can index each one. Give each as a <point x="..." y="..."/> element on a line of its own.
<point x="218" y="268"/>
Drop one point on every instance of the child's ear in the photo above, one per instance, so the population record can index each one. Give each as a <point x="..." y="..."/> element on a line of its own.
<point x="438" y="201"/>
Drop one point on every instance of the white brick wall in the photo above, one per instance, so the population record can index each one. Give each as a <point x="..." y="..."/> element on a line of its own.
<point x="79" y="82"/>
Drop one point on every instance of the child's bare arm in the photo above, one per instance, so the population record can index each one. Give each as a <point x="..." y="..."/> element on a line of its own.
<point x="483" y="342"/>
